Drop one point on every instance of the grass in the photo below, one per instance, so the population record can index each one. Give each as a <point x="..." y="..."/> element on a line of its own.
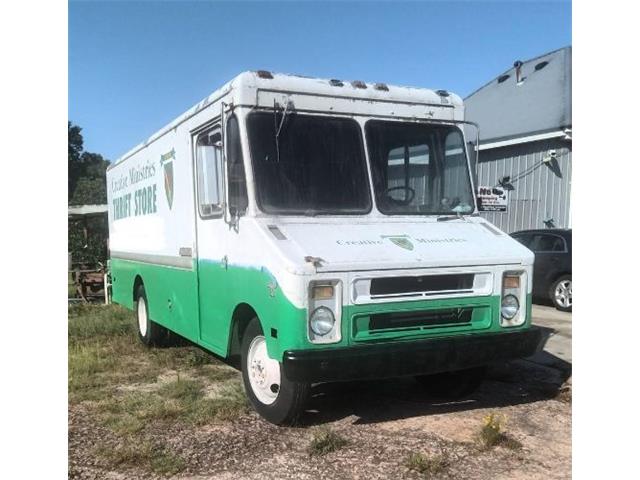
<point x="325" y="441"/>
<point x="132" y="390"/>
<point x="131" y="453"/>
<point x="492" y="434"/>
<point x="105" y="353"/>
<point x="426" y="465"/>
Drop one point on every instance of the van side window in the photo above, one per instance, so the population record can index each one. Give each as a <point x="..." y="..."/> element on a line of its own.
<point x="209" y="173"/>
<point x="238" y="200"/>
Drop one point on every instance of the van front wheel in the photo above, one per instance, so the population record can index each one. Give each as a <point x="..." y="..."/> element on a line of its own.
<point x="272" y="395"/>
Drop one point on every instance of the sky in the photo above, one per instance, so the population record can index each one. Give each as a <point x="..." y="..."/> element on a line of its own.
<point x="135" y="66"/>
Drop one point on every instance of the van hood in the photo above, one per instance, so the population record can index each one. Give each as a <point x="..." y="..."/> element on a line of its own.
<point x="352" y="245"/>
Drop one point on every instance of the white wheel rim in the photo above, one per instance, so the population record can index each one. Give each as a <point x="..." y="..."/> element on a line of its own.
<point x="563" y="294"/>
<point x="264" y="372"/>
<point x="142" y="316"/>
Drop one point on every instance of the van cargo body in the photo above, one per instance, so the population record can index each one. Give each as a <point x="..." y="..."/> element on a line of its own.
<point x="316" y="230"/>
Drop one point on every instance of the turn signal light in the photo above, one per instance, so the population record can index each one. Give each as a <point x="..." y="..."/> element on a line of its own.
<point x="322" y="292"/>
<point x="511" y="282"/>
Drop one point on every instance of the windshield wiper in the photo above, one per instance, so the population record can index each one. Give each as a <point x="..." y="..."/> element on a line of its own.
<point x="278" y="128"/>
<point x="446" y="218"/>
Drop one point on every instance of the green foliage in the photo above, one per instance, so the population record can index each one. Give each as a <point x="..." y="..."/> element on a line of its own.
<point x="157" y="458"/>
<point x="325" y="441"/>
<point x="92" y="248"/>
<point x="85" y="167"/>
<point x="75" y="151"/>
<point x="90" y="191"/>
<point x="492" y="434"/>
<point x="87" y="186"/>
<point x="420" y="463"/>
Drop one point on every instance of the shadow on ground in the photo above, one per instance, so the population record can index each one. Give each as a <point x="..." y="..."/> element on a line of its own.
<point x="518" y="382"/>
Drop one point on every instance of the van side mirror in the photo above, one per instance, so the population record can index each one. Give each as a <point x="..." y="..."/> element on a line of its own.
<point x="473" y="161"/>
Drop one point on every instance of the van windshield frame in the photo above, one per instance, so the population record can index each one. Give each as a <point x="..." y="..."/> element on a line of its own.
<point x="419" y="168"/>
<point x="315" y="165"/>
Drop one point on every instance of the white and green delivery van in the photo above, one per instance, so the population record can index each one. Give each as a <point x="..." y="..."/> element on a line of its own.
<point x="312" y="230"/>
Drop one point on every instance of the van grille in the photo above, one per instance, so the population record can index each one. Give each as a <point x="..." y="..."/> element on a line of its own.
<point x="461" y="283"/>
<point x="421" y="319"/>
<point x="378" y="326"/>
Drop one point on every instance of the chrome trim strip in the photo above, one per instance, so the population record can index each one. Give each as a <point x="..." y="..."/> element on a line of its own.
<point x="164" y="260"/>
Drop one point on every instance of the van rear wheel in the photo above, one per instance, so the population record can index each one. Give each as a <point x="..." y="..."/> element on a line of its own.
<point x="149" y="332"/>
<point x="453" y="385"/>
<point x="272" y="395"/>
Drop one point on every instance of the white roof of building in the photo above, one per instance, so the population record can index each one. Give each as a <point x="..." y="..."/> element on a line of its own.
<point x="87" y="210"/>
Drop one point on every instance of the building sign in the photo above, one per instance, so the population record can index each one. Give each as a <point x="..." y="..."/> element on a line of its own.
<point x="492" y="199"/>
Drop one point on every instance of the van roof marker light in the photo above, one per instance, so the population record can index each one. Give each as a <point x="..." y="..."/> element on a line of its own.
<point x="264" y="74"/>
<point x="381" y="86"/>
<point x="334" y="82"/>
<point x="358" y="84"/>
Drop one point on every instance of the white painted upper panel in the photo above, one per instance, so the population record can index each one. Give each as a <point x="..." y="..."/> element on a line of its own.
<point x="250" y="89"/>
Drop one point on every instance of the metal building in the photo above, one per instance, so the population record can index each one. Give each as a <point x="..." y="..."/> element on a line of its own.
<point x="525" y="143"/>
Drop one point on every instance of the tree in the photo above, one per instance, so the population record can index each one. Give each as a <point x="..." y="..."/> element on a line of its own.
<point x="87" y="239"/>
<point x="87" y="172"/>
<point x="91" y="188"/>
<point x="75" y="152"/>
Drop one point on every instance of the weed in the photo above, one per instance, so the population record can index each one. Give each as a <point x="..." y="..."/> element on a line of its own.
<point x="196" y="358"/>
<point x="421" y="463"/>
<point x="564" y="394"/>
<point x="325" y="441"/>
<point x="187" y="391"/>
<point x="491" y="434"/>
<point x="142" y="453"/>
<point x="166" y="463"/>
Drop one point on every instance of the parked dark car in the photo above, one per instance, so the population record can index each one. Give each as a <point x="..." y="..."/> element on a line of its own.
<point x="552" y="265"/>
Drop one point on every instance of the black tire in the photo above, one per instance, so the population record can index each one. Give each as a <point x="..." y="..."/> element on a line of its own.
<point x="566" y="307"/>
<point x="154" y="335"/>
<point x="291" y="397"/>
<point x="453" y="385"/>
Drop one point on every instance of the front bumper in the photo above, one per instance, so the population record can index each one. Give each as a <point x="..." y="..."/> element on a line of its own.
<point x="397" y="359"/>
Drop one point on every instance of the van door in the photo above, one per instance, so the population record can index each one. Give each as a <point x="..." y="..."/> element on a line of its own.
<point x="212" y="238"/>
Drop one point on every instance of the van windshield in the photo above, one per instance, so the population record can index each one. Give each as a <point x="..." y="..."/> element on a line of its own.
<point x="315" y="166"/>
<point x="419" y="168"/>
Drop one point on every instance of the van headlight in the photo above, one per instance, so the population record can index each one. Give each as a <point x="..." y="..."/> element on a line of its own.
<point x="322" y="321"/>
<point x="510" y="306"/>
<point x="514" y="285"/>
<point x="325" y="311"/>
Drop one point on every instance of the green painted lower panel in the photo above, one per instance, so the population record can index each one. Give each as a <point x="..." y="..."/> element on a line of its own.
<point x="202" y="311"/>
<point x="171" y="293"/>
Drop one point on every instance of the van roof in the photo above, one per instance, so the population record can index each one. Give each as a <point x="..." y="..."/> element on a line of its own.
<point x="244" y="89"/>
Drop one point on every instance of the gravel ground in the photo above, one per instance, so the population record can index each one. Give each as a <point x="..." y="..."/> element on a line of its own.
<point x="384" y="422"/>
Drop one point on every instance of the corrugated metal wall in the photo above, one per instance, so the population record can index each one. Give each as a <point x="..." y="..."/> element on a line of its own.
<point x="541" y="192"/>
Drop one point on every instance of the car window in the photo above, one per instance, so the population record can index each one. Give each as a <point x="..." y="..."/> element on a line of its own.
<point x="544" y="242"/>
<point x="524" y="239"/>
